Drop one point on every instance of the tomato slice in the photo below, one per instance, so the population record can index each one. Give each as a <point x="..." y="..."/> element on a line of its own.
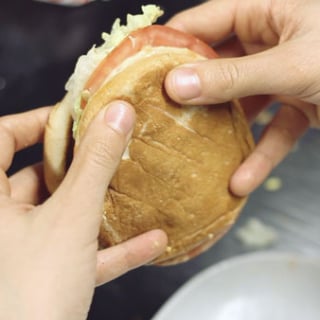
<point x="154" y="35"/>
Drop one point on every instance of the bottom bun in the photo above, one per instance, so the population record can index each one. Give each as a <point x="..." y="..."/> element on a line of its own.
<point x="176" y="170"/>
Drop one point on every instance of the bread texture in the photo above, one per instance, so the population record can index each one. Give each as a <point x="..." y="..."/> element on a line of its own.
<point x="176" y="170"/>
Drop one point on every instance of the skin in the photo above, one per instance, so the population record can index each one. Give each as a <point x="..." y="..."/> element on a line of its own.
<point x="50" y="264"/>
<point x="269" y="52"/>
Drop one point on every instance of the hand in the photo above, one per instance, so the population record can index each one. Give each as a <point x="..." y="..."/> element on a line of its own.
<point x="48" y="252"/>
<point x="269" y="51"/>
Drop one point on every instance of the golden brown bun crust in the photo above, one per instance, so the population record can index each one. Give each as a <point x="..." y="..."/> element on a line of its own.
<point x="181" y="160"/>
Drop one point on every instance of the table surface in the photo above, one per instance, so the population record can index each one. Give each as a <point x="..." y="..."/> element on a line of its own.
<point x="38" y="47"/>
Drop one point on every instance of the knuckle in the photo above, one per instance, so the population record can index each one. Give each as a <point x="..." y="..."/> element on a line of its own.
<point x="229" y="75"/>
<point x="105" y="151"/>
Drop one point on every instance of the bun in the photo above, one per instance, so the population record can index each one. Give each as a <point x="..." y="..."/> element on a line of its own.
<point x="176" y="171"/>
<point x="57" y="146"/>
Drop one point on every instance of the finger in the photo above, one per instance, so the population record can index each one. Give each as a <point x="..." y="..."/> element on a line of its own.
<point x="27" y="185"/>
<point x="284" y="130"/>
<point x="210" y="21"/>
<point x="274" y="71"/>
<point x="215" y="20"/>
<point x="310" y="110"/>
<point x="117" y="260"/>
<point x="96" y="160"/>
<point x="20" y="131"/>
<point x="229" y="48"/>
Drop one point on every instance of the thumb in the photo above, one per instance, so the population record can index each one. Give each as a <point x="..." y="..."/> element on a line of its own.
<point x="274" y="71"/>
<point x="96" y="159"/>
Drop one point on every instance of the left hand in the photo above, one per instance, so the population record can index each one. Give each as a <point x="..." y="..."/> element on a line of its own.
<point x="48" y="251"/>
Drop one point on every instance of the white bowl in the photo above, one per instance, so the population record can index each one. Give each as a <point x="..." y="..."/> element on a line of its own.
<point x="263" y="286"/>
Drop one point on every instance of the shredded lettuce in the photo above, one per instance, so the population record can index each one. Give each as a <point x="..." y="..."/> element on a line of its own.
<point x="150" y="14"/>
<point x="87" y="63"/>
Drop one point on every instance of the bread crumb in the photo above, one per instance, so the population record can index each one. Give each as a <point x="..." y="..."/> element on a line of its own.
<point x="168" y="249"/>
<point x="264" y="117"/>
<point x="273" y="184"/>
<point x="256" y="234"/>
<point x="156" y="244"/>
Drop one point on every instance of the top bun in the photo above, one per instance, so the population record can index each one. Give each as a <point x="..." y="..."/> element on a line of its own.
<point x="176" y="170"/>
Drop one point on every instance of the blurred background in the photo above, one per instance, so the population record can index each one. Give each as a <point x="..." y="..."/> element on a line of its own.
<point x="39" y="45"/>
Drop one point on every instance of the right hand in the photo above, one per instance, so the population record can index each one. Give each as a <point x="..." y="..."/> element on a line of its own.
<point x="269" y="51"/>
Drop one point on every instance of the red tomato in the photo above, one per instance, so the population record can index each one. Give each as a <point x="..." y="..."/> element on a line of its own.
<point x="155" y="35"/>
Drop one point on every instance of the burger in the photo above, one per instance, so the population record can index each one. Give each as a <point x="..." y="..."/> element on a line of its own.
<point x="175" y="173"/>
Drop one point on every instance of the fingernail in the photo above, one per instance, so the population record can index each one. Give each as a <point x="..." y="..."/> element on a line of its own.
<point x="186" y="83"/>
<point x="120" y="117"/>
